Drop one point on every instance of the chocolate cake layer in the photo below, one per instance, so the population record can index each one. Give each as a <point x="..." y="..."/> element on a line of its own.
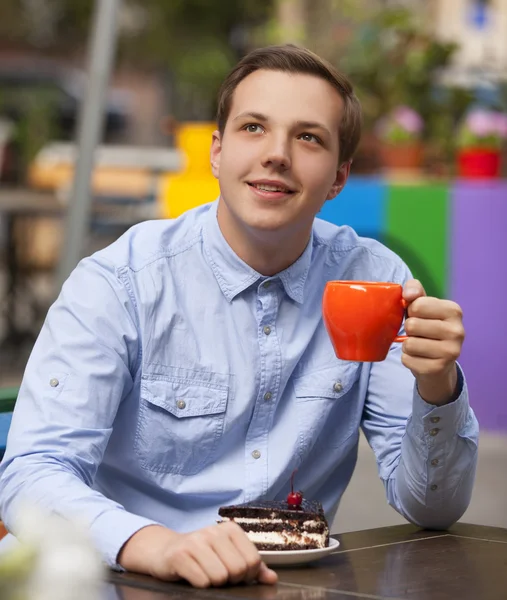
<point x="273" y="509"/>
<point x="290" y="526"/>
<point x="285" y="547"/>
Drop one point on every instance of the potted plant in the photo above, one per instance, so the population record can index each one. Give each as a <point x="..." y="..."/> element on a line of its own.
<point x="400" y="134"/>
<point x="480" y="138"/>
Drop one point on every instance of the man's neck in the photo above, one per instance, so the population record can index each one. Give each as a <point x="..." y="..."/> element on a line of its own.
<point x="268" y="253"/>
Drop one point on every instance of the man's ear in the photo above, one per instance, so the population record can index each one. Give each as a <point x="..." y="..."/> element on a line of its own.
<point x="216" y="149"/>
<point x="342" y="174"/>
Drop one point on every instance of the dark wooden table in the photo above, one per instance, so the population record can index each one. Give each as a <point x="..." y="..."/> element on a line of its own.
<point x="468" y="562"/>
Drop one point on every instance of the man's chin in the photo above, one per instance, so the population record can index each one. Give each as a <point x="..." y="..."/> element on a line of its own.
<point x="269" y="226"/>
<point x="265" y="218"/>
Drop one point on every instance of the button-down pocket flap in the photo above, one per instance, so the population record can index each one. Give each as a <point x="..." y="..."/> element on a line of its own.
<point x="331" y="382"/>
<point x="183" y="399"/>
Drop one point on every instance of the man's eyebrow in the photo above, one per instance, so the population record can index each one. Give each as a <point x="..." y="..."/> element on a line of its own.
<point x="253" y="115"/>
<point x="313" y="125"/>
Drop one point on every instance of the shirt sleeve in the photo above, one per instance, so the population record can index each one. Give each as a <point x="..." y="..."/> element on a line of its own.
<point x="426" y="455"/>
<point x="82" y="366"/>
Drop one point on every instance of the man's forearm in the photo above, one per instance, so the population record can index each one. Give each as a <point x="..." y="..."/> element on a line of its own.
<point x="415" y="496"/>
<point x="40" y="482"/>
<point x="432" y="483"/>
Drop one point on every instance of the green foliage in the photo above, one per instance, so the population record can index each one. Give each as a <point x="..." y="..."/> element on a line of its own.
<point x="466" y="139"/>
<point x="36" y="126"/>
<point x="393" y="60"/>
<point x="196" y="41"/>
<point x="399" y="135"/>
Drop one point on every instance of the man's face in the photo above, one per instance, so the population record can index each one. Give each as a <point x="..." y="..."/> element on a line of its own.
<point x="277" y="161"/>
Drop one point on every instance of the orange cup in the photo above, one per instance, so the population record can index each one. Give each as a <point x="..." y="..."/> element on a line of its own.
<point x="363" y="318"/>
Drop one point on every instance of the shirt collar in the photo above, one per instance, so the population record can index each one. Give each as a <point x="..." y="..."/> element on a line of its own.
<point x="235" y="276"/>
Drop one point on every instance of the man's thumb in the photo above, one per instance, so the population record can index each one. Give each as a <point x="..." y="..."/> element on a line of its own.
<point x="266" y="575"/>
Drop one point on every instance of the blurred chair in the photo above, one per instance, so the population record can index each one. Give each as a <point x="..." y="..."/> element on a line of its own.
<point x="8" y="398"/>
<point x="113" y="214"/>
<point x="27" y="259"/>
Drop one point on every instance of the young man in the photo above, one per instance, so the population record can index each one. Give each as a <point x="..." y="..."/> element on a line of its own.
<point x="187" y="366"/>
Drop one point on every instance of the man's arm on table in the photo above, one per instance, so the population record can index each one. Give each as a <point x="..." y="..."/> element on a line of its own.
<point x="428" y="462"/>
<point x="79" y="371"/>
<point x="82" y="365"/>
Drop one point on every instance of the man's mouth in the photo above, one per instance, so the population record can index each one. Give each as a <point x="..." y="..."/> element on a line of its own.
<point x="266" y="187"/>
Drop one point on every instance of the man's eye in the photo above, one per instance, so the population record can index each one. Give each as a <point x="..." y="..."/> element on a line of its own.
<point x="253" y="128"/>
<point x="309" y="137"/>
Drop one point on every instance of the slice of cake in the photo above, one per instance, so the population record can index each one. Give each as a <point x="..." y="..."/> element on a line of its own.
<point x="276" y="525"/>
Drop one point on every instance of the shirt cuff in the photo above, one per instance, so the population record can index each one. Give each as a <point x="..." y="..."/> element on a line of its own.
<point x="112" y="529"/>
<point x="442" y="421"/>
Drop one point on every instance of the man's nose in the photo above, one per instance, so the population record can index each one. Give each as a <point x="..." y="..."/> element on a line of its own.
<point x="277" y="153"/>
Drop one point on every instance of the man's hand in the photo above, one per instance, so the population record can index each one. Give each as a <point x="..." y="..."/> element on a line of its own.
<point x="213" y="556"/>
<point x="436" y="335"/>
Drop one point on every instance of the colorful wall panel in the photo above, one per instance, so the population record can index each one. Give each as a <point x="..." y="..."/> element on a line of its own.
<point x="416" y="229"/>
<point x="361" y="205"/>
<point x="478" y="281"/>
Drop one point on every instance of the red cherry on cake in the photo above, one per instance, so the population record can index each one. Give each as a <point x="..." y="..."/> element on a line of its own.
<point x="294" y="498"/>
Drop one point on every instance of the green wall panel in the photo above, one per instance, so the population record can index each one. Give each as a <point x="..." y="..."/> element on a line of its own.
<point x="417" y="230"/>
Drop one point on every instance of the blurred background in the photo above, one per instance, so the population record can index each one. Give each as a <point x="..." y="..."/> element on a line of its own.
<point x="429" y="179"/>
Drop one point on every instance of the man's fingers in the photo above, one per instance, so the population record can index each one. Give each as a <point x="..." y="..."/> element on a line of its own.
<point x="237" y="567"/>
<point x="188" y="568"/>
<point x="434" y="329"/>
<point x="266" y="575"/>
<point x="447" y="350"/>
<point x="246" y="549"/>
<point x="209" y="561"/>
<point x="423" y="366"/>
<point x="215" y="556"/>
<point x="434" y="308"/>
<point x="413" y="289"/>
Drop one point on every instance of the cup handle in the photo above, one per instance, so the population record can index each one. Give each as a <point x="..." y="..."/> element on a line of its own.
<point x="402" y="338"/>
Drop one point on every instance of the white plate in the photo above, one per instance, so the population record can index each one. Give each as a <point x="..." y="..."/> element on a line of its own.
<point x="297" y="557"/>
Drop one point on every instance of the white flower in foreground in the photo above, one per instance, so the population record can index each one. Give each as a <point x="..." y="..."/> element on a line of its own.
<point x="66" y="563"/>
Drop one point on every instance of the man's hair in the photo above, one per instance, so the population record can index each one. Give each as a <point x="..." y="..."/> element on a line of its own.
<point x="289" y="58"/>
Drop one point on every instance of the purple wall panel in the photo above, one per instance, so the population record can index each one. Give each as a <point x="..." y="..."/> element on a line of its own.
<point x="478" y="283"/>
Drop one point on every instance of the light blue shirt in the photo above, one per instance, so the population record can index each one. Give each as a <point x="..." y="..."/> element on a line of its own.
<point x="170" y="378"/>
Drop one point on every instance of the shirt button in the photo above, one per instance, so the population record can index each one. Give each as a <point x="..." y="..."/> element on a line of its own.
<point x="435" y="462"/>
<point x="266" y="284"/>
<point x="256" y="454"/>
<point x="54" y="382"/>
<point x="267" y="330"/>
<point x="181" y="404"/>
<point x="268" y="396"/>
<point x="435" y="419"/>
<point x="338" y="387"/>
<point x="433" y="487"/>
<point x="434" y="432"/>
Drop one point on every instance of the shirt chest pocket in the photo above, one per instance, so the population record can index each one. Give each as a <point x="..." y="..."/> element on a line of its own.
<point x="328" y="406"/>
<point x="181" y="420"/>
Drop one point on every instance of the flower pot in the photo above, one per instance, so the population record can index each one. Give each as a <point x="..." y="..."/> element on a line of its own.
<point x="407" y="156"/>
<point x="479" y="163"/>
